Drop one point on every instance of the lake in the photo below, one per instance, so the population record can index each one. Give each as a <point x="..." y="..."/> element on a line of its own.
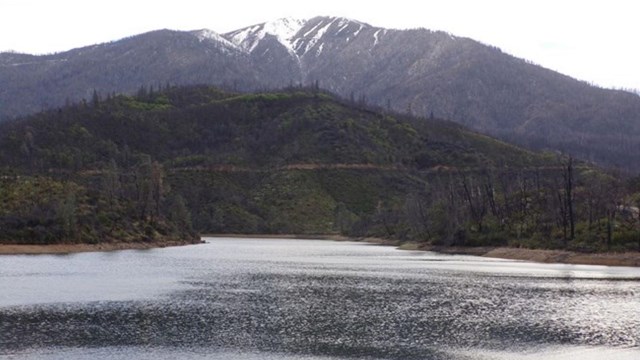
<point x="312" y="299"/>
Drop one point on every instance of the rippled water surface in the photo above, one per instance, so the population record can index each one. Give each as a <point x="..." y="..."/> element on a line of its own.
<point x="306" y="299"/>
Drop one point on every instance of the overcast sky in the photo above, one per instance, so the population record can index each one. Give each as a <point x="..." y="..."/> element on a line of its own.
<point x="596" y="41"/>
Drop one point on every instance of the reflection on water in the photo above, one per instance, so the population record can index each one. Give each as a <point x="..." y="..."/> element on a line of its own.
<point x="293" y="299"/>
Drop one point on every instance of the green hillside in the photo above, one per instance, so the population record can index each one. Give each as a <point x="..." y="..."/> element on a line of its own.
<point x="161" y="163"/>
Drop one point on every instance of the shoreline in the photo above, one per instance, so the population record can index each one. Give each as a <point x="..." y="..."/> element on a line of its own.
<point x="631" y="259"/>
<point x="63" y="249"/>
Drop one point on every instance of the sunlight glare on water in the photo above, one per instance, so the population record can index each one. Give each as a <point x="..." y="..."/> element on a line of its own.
<point x="312" y="299"/>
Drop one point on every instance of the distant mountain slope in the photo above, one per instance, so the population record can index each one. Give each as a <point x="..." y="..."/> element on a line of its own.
<point x="31" y="84"/>
<point x="426" y="72"/>
<point x="418" y="71"/>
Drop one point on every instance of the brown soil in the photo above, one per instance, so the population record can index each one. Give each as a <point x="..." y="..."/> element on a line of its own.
<point x="6" y="249"/>
<point x="544" y="256"/>
<point x="567" y="257"/>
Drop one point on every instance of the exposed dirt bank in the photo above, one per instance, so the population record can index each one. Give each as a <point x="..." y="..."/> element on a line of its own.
<point x="6" y="249"/>
<point x="539" y="255"/>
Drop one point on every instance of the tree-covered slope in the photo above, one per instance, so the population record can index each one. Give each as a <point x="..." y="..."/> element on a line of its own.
<point x="292" y="161"/>
<point x="200" y="126"/>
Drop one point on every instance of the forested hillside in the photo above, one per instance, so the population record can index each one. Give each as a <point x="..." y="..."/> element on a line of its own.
<point x="163" y="162"/>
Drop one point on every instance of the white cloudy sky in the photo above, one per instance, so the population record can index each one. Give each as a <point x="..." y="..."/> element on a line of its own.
<point x="597" y="41"/>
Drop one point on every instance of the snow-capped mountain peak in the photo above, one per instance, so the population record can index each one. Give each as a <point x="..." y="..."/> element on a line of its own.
<point x="298" y="36"/>
<point x="283" y="29"/>
<point x="322" y="29"/>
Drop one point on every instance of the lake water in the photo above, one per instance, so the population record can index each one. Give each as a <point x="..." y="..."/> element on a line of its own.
<point x="308" y="299"/>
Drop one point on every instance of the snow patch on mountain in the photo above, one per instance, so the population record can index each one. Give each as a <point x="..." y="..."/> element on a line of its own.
<point x="208" y="35"/>
<point x="282" y="29"/>
<point x="318" y="34"/>
<point x="312" y="30"/>
<point x="343" y="25"/>
<point x="359" y="29"/>
<point x="377" y="35"/>
<point x="288" y="32"/>
<point x="246" y="38"/>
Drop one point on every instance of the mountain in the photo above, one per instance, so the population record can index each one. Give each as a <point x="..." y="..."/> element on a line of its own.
<point x="301" y="161"/>
<point x="418" y="71"/>
<point x="36" y="83"/>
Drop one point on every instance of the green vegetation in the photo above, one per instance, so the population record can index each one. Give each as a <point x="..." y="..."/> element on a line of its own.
<point x="89" y="209"/>
<point x="160" y="165"/>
